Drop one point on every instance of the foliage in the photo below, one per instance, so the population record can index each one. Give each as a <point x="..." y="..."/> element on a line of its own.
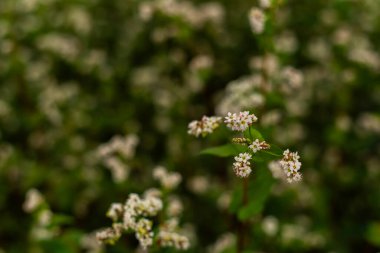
<point x="95" y="94"/>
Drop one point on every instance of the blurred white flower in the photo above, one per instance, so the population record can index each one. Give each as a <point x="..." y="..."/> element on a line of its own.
<point x="33" y="200"/>
<point x="270" y="225"/>
<point x="203" y="127"/>
<point x="257" y="20"/>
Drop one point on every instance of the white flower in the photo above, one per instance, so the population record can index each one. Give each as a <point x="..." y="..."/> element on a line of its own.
<point x="258" y="145"/>
<point x="276" y="169"/>
<point x="243" y="157"/>
<point x="172" y="239"/>
<point x="242" y="170"/>
<point x="242" y="166"/>
<point x="255" y="146"/>
<point x="144" y="232"/>
<point x="291" y="165"/>
<point x="168" y="180"/>
<point x="257" y="20"/>
<point x="175" y="207"/>
<point x="292" y="79"/>
<point x="203" y="127"/>
<point x="33" y="200"/>
<point x="270" y="225"/>
<point x="223" y="243"/>
<point x="241" y="121"/>
<point x="199" y="184"/>
<point x="265" y="3"/>
<point x="109" y="235"/>
<point x="135" y="207"/>
<point x="115" y="211"/>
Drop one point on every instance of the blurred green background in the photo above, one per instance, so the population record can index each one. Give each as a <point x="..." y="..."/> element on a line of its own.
<point x="75" y="73"/>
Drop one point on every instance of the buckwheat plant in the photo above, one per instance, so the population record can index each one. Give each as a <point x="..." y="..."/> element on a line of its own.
<point x="249" y="145"/>
<point x="153" y="218"/>
<point x="252" y="156"/>
<point x="45" y="224"/>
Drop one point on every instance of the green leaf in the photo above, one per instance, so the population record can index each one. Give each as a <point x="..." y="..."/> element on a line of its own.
<point x="274" y="151"/>
<point x="61" y="219"/>
<point x="225" y="150"/>
<point x="253" y="134"/>
<point x="264" y="156"/>
<point x="54" y="246"/>
<point x="259" y="189"/>
<point x="373" y="233"/>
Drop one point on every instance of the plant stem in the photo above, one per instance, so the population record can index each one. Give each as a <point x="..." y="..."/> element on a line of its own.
<point x="242" y="225"/>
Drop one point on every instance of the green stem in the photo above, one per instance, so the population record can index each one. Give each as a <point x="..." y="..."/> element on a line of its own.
<point x="242" y="225"/>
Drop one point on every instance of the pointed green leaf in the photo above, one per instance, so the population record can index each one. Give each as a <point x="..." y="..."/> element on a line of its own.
<point x="274" y="151"/>
<point x="253" y="134"/>
<point x="225" y="150"/>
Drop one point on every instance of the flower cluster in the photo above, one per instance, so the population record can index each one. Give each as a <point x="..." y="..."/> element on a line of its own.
<point x="241" y="94"/>
<point x="241" y="165"/>
<point x="33" y="200"/>
<point x="168" y="180"/>
<point x="136" y="207"/>
<point x="257" y="20"/>
<point x="291" y="165"/>
<point x="115" y="154"/>
<point x="258" y="145"/>
<point x="292" y="79"/>
<point x="204" y="126"/>
<point x="173" y="239"/>
<point x="137" y="215"/>
<point x="109" y="235"/>
<point x="134" y="215"/>
<point x="42" y="226"/>
<point x="168" y="237"/>
<point x="241" y="121"/>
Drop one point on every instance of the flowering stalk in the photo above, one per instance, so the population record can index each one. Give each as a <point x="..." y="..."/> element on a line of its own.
<point x="249" y="150"/>
<point x="138" y="216"/>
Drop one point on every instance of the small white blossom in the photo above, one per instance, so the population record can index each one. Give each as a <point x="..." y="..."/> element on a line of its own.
<point x="205" y="126"/>
<point x="109" y="235"/>
<point x="243" y="158"/>
<point x="291" y="165"/>
<point x="33" y="200"/>
<point x="241" y="166"/>
<point x="241" y="121"/>
<point x="172" y="239"/>
<point x="135" y="207"/>
<point x="265" y="3"/>
<point x="258" y="145"/>
<point x="175" y="207"/>
<point x="270" y="225"/>
<point x="255" y="146"/>
<point x="292" y="79"/>
<point x="199" y="184"/>
<point x="276" y="169"/>
<point x="168" y="180"/>
<point x="223" y="243"/>
<point x="144" y="232"/>
<point x="115" y="211"/>
<point x="257" y="20"/>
